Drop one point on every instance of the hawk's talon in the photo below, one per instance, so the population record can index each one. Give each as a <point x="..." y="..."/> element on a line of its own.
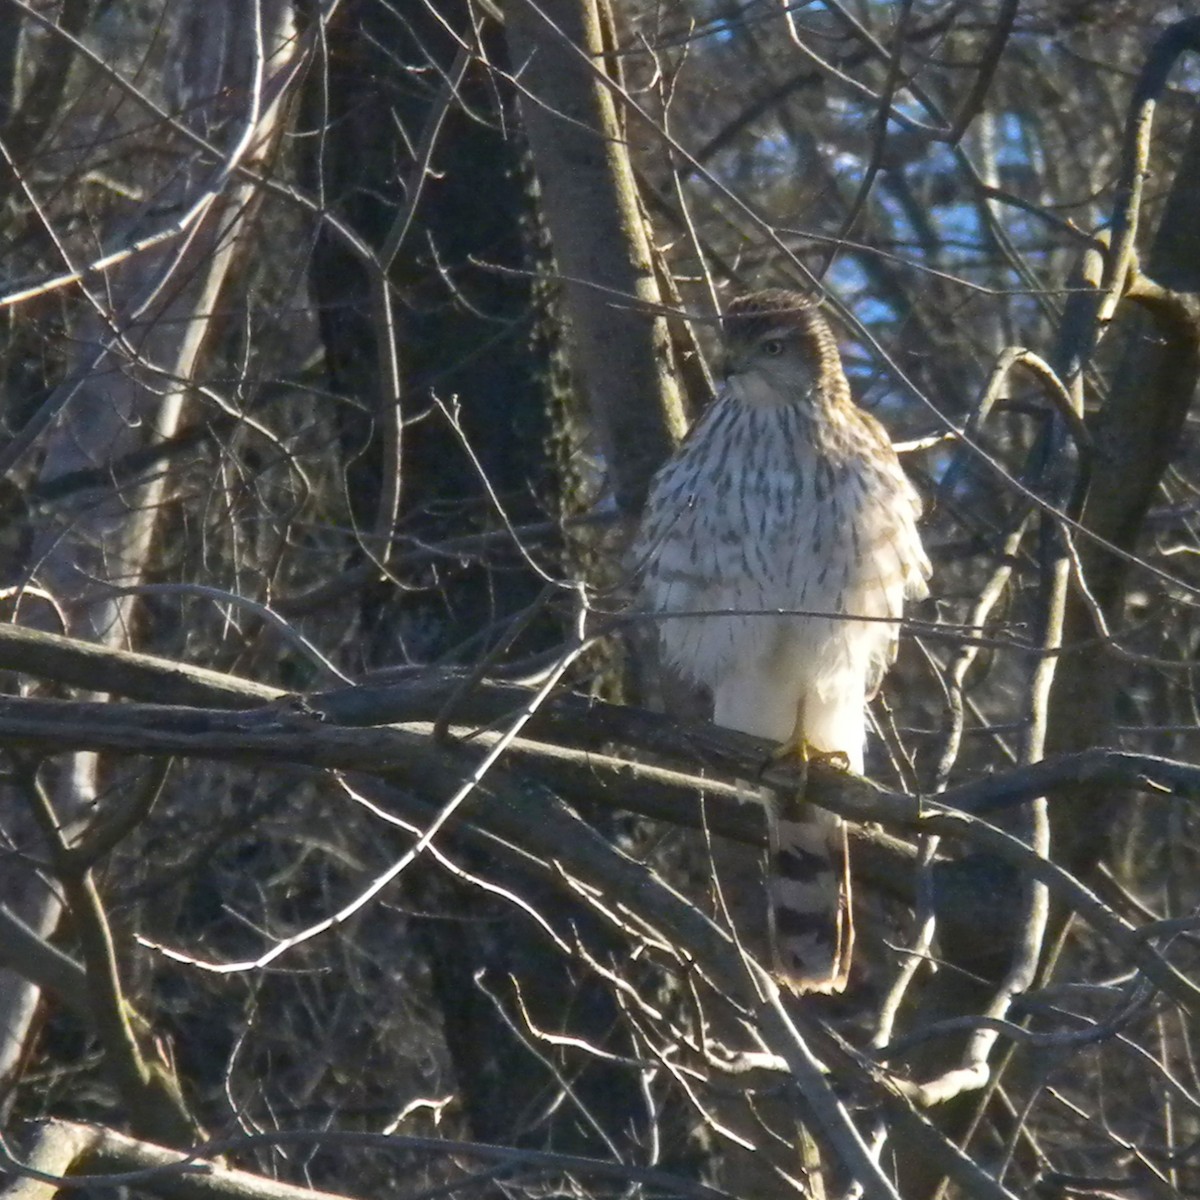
<point x="805" y="754"/>
<point x="800" y="756"/>
<point x="837" y="760"/>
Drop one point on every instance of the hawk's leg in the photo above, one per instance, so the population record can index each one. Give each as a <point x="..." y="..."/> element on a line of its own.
<point x="799" y="752"/>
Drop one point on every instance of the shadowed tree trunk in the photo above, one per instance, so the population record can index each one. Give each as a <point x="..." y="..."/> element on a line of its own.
<point x="481" y="406"/>
<point x="458" y="244"/>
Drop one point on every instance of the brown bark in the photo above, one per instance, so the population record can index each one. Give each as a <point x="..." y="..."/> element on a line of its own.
<point x="600" y="239"/>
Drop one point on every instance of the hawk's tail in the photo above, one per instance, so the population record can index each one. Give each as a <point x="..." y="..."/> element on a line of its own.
<point x="809" y="891"/>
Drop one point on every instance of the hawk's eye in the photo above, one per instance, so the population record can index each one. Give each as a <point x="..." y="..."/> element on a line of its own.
<point x="773" y="347"/>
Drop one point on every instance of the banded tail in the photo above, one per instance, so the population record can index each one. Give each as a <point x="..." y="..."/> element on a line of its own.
<point x="811" y="930"/>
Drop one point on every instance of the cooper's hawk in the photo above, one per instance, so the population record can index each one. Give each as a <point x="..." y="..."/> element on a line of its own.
<point x="784" y="515"/>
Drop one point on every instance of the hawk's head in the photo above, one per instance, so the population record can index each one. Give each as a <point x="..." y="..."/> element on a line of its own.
<point x="779" y="349"/>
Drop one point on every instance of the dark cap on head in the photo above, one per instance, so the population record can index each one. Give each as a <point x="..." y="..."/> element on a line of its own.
<point x="778" y="313"/>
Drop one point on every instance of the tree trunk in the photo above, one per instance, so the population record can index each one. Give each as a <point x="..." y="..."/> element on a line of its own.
<point x="600" y="238"/>
<point x="479" y="389"/>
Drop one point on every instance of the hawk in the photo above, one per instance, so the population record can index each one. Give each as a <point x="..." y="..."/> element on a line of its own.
<point x="783" y="516"/>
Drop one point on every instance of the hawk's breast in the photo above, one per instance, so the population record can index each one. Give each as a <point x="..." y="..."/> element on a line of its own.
<point x="767" y="520"/>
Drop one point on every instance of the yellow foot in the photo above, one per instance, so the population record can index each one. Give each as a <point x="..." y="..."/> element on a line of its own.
<point x="803" y="752"/>
<point x="800" y="755"/>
